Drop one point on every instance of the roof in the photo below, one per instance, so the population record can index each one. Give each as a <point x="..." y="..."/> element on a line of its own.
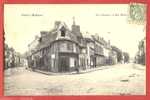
<point x="89" y="40"/>
<point x="52" y="35"/>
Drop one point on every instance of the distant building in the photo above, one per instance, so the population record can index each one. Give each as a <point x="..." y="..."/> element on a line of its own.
<point x="12" y="58"/>
<point x="119" y="54"/>
<point x="90" y="49"/>
<point x="32" y="46"/>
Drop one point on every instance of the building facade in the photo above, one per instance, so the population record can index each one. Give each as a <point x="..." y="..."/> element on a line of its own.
<point x="65" y="50"/>
<point x="57" y="51"/>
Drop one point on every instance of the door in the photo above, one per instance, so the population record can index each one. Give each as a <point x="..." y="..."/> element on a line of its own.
<point x="64" y="64"/>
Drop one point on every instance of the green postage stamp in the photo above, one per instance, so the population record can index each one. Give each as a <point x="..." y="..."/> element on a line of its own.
<point x="137" y="13"/>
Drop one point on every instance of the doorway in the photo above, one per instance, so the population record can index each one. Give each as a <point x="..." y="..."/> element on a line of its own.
<point x="64" y="64"/>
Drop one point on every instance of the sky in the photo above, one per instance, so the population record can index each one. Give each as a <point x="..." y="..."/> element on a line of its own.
<point x="22" y="22"/>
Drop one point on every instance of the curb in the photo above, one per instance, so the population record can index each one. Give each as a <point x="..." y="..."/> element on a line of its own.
<point x="72" y="73"/>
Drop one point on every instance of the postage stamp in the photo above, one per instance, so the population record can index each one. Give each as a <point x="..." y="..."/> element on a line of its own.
<point x="137" y="13"/>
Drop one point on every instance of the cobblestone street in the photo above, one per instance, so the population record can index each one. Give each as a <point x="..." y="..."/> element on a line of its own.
<point x="120" y="79"/>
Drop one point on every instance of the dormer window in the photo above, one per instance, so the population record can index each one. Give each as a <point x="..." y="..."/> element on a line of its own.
<point x="63" y="31"/>
<point x="40" y="39"/>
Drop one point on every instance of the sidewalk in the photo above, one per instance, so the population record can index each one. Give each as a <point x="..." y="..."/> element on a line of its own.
<point x="139" y="66"/>
<point x="94" y="69"/>
<point x="13" y="71"/>
<point x="74" y="72"/>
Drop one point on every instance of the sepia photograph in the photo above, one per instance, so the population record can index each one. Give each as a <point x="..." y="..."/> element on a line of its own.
<point x="74" y="49"/>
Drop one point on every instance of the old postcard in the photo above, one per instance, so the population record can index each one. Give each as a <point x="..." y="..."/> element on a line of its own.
<point x="75" y="49"/>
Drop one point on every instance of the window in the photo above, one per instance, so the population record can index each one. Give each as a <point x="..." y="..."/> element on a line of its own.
<point x="63" y="46"/>
<point x="74" y="47"/>
<point x="63" y="31"/>
<point x="69" y="46"/>
<point x="40" y="39"/>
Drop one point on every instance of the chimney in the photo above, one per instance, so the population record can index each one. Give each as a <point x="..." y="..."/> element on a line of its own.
<point x="36" y="37"/>
<point x="108" y="42"/>
<point x="57" y="23"/>
<point x="43" y="33"/>
<point x="75" y="28"/>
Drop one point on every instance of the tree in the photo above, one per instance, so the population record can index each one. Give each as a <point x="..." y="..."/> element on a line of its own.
<point x="141" y="52"/>
<point x="126" y="57"/>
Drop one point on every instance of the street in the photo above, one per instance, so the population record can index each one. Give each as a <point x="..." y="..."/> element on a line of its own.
<point x="120" y="79"/>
